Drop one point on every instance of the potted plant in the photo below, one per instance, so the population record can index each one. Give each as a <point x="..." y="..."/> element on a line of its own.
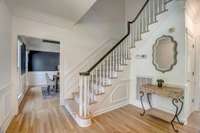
<point x="160" y="82"/>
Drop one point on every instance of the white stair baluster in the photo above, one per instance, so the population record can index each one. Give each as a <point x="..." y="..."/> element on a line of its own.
<point x="160" y="6"/>
<point x="103" y="76"/>
<point x="163" y="5"/>
<point x="118" y="63"/>
<point x="153" y="11"/>
<point x="81" y="87"/>
<point x="119" y="48"/>
<point x="135" y="30"/>
<point x="148" y="19"/>
<point x="92" y="87"/>
<point x="124" y="51"/>
<point x="138" y="29"/>
<point x="143" y="21"/>
<point x="108" y="65"/>
<point x="115" y="56"/>
<point x="100" y="76"/>
<point x="114" y="68"/>
<point x="111" y="65"/>
<point x="156" y="6"/>
<point x="132" y="36"/>
<point x="140" y="25"/>
<point x="127" y="49"/>
<point x="97" y="81"/>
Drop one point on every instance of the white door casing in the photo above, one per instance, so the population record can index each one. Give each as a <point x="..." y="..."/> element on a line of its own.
<point x="197" y="92"/>
<point x="190" y="72"/>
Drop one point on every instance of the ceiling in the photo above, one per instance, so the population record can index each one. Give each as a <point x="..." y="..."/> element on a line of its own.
<point x="37" y="44"/>
<point x="69" y="10"/>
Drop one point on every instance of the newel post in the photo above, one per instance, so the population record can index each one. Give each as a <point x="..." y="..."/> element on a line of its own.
<point x="84" y="94"/>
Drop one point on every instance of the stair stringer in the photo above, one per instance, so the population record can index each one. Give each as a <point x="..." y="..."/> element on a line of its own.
<point x="114" y="96"/>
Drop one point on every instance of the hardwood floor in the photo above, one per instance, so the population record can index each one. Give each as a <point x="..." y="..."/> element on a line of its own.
<point x="46" y="116"/>
<point x="194" y="120"/>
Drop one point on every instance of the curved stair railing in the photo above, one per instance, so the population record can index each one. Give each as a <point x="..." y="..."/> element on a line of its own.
<point x="93" y="81"/>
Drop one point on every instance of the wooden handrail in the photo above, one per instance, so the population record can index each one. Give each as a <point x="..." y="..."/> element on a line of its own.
<point x="113" y="48"/>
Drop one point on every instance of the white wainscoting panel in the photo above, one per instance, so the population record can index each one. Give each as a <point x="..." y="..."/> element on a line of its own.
<point x="38" y="78"/>
<point x="5" y="106"/>
<point x="115" y="96"/>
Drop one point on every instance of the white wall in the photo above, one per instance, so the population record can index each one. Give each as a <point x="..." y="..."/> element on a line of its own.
<point x="104" y="21"/>
<point x="174" y="18"/>
<point x="5" y="35"/>
<point x="132" y="8"/>
<point x="5" y="67"/>
<point x="193" y="38"/>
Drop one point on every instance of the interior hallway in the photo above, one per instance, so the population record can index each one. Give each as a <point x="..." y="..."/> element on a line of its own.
<point x="46" y="116"/>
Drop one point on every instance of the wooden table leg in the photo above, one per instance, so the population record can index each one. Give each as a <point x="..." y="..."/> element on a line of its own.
<point x="141" y="100"/>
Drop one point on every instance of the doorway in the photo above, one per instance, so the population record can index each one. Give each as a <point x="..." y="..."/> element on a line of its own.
<point x="38" y="67"/>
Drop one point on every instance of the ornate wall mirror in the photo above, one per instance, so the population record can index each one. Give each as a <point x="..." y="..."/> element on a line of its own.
<point x="165" y="53"/>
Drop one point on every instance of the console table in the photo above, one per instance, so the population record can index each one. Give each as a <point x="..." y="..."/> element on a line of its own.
<point x="176" y="94"/>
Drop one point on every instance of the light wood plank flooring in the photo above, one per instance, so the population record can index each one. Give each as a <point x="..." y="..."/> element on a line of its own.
<point x="46" y="116"/>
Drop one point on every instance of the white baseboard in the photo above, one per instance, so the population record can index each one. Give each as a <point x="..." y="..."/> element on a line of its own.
<point x="5" y="90"/>
<point x="110" y="108"/>
<point x="81" y="122"/>
<point x="23" y="95"/>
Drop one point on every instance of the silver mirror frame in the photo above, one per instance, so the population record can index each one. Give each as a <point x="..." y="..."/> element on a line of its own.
<point x="174" y="55"/>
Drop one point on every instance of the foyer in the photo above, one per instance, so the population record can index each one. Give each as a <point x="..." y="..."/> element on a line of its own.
<point x="99" y="66"/>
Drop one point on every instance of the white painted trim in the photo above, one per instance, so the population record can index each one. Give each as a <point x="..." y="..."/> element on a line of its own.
<point x="5" y="123"/>
<point x="6" y="85"/>
<point x="23" y="95"/>
<point x="198" y="71"/>
<point x="119" y="100"/>
<point x="115" y="89"/>
<point x="79" y="121"/>
<point x="110" y="108"/>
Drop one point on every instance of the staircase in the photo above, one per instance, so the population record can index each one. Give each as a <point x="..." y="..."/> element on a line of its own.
<point x="93" y="82"/>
